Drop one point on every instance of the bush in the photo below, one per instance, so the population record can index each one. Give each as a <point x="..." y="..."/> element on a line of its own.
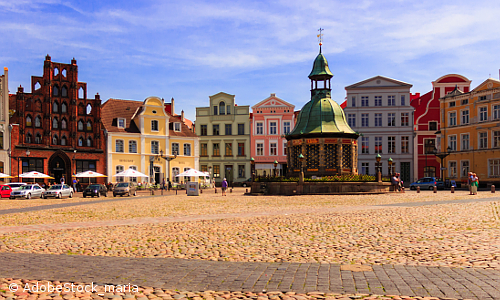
<point x="335" y="178"/>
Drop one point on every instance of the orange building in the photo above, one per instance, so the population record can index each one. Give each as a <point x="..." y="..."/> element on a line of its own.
<point x="470" y="133"/>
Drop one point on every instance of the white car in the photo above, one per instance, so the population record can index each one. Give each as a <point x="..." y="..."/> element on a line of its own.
<point x="15" y="185"/>
<point x="58" y="191"/>
<point x="27" y="191"/>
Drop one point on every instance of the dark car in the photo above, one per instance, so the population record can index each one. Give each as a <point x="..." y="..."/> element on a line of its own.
<point x="95" y="190"/>
<point x="247" y="182"/>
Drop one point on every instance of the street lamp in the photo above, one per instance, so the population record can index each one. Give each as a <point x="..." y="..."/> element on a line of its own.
<point x="378" y="158"/>
<point x="301" y="160"/>
<point x="252" y="163"/>
<point x="275" y="165"/>
<point x="390" y="166"/>
<point x="442" y="156"/>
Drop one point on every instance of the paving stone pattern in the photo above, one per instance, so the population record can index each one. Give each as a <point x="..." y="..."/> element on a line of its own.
<point x="195" y="275"/>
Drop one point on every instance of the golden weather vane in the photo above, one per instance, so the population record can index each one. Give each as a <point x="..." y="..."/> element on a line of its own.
<point x="320" y="38"/>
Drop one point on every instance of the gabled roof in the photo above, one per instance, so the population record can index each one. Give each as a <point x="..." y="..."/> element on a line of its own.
<point x="118" y="108"/>
<point x="484" y="84"/>
<point x="269" y="102"/>
<point x="394" y="83"/>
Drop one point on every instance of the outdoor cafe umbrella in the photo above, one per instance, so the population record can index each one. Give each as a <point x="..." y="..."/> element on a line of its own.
<point x="192" y="173"/>
<point x="130" y="173"/>
<point x="89" y="174"/>
<point x="2" y="175"/>
<point x="35" y="174"/>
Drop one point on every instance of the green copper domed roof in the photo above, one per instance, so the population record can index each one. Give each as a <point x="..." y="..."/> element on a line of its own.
<point x="320" y="67"/>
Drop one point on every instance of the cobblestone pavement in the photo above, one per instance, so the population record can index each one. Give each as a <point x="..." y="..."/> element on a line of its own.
<point x="193" y="275"/>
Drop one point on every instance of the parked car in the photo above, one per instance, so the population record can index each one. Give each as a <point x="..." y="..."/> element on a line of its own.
<point x="427" y="183"/>
<point x="95" y="190"/>
<point x="58" y="191"/>
<point x="15" y="185"/>
<point x="5" y="190"/>
<point x="27" y="191"/>
<point x="247" y="182"/>
<point x="125" y="188"/>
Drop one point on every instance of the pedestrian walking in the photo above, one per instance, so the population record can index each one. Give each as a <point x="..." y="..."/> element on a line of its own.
<point x="474" y="184"/>
<point x="224" y="187"/>
<point x="74" y="184"/>
<point x="62" y="179"/>
<point x="469" y="182"/>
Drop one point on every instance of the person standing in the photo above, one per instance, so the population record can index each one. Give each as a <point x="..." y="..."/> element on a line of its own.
<point x="224" y="187"/>
<point x="74" y="185"/>
<point x="62" y="179"/>
<point x="474" y="184"/>
<point x="469" y="182"/>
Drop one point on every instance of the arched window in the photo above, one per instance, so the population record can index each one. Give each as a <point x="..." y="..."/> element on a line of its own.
<point x="37" y="85"/>
<point x="38" y="138"/>
<point x="80" y="93"/>
<point x="80" y="141"/>
<point x="55" y="139"/>
<point x="64" y="91"/>
<point x="55" y="90"/>
<point x="38" y="105"/>
<point x="80" y="125"/>
<point x="55" y="123"/>
<point x="63" y="141"/>
<point x="28" y="121"/>
<point x="81" y="109"/>
<point x="38" y="121"/>
<point x="55" y="106"/>
<point x="56" y="71"/>
<point x="89" y="142"/>
<point x="222" y="108"/>
<point x="89" y="126"/>
<point x="64" y="108"/>
<point x="64" y="124"/>
<point x="63" y="72"/>
<point x="89" y="109"/>
<point x="28" y="138"/>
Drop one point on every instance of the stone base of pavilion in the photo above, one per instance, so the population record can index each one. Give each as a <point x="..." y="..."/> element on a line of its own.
<point x="314" y="188"/>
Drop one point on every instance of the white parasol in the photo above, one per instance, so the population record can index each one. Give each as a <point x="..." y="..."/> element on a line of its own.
<point x="2" y="175"/>
<point x="89" y="174"/>
<point x="130" y="173"/>
<point x="192" y="173"/>
<point x="35" y="174"/>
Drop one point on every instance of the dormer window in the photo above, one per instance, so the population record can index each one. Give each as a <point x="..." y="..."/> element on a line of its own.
<point x="154" y="125"/>
<point x="121" y="123"/>
<point x="177" y="126"/>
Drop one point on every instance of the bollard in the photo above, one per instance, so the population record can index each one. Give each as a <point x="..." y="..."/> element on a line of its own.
<point x="162" y="192"/>
<point x="418" y="189"/>
<point x="176" y="191"/>
<point x="452" y="189"/>
<point x="435" y="189"/>
<point x="201" y="191"/>
<point x="402" y="189"/>
<point x="246" y="191"/>
<point x="492" y="188"/>
<point x="216" y="190"/>
<point x="231" y="190"/>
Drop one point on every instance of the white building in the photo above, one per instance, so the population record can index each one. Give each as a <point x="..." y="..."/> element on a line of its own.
<point x="379" y="109"/>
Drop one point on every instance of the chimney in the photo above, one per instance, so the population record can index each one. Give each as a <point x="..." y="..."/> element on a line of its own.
<point x="273" y="95"/>
<point x="182" y="116"/>
<point x="172" y="106"/>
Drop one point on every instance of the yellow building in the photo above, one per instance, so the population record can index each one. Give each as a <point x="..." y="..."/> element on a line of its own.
<point x="470" y="133"/>
<point x="145" y="137"/>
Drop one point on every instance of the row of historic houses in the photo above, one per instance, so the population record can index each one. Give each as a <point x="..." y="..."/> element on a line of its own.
<point x="58" y="130"/>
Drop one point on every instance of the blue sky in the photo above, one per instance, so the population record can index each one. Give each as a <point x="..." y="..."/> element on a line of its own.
<point x="192" y="49"/>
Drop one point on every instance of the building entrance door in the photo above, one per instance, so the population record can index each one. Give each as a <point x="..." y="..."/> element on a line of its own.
<point x="57" y="169"/>
<point x="229" y="174"/>
<point x="405" y="172"/>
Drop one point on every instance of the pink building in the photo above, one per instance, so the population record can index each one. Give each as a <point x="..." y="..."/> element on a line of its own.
<point x="270" y="120"/>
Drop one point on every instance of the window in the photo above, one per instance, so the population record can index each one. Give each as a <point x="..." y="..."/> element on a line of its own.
<point x="496" y="112"/>
<point x="481" y="98"/>
<point x="284" y="148"/>
<point x="378" y="100"/>
<point x="433" y="126"/>
<point x="187" y="149"/>
<point x="260" y="149"/>
<point x="64" y="108"/>
<point x="119" y="169"/>
<point x="216" y="150"/>
<point x="229" y="149"/>
<point x="241" y="129"/>
<point x="204" y="168"/>
<point x="89" y="142"/>
<point x="365" y="168"/>
<point x="452" y="165"/>
<point x="132" y="146"/>
<point x="38" y="139"/>
<point x="465" y="117"/>
<point x="155" y="147"/>
<point x="391" y="100"/>
<point x="391" y="119"/>
<point x="215" y="110"/>
<point x="494" y="167"/>
<point x="204" y="130"/>
<point x="364" y="120"/>
<point x="452" y="142"/>
<point x="177" y="126"/>
<point x="28" y="121"/>
<point x="55" y="107"/>
<point x="483" y="114"/>
<point x="464" y="167"/>
<point x="391" y="143"/>
<point x="215" y="130"/>
<point x="429" y="146"/>
<point x="378" y="144"/>
<point x="465" y="142"/>
<point x="353" y="101"/>
<point x="241" y="171"/>
<point x="133" y="179"/>
<point x="452" y="104"/>
<point x="403" y="101"/>
<point x="28" y="138"/>
<point x="55" y="140"/>
<point x="154" y="125"/>
<point x="483" y="140"/>
<point x="429" y="171"/>
<point x="216" y="171"/>
<point x="272" y="128"/>
<point x="228" y="109"/>
<point x="118" y="145"/>
<point x="80" y="142"/>
<point x="286" y="127"/>
<point x="38" y="122"/>
<point x="405" y="144"/>
<point x="452" y="118"/>
<point x="273" y="149"/>
<point x="405" y="119"/>
<point x="121" y="123"/>
<point x="89" y="126"/>
<point x="175" y="172"/>
<point x="229" y="129"/>
<point x="81" y="109"/>
<point x="64" y="91"/>
<point x="222" y="108"/>
<point x="351" y="120"/>
<point x="55" y="123"/>
<point x="55" y="90"/>
<point x="378" y="120"/>
<point x="204" y="149"/>
<point x="175" y="149"/>
<point x="365" y="145"/>
<point x="241" y="149"/>
<point x="260" y="128"/>
<point x="63" y="141"/>
<point x="364" y="100"/>
<point x="496" y="139"/>
<point x="64" y="124"/>
<point x="465" y="101"/>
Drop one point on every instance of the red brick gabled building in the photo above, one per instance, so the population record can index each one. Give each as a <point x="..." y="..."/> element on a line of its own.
<point x="56" y="129"/>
